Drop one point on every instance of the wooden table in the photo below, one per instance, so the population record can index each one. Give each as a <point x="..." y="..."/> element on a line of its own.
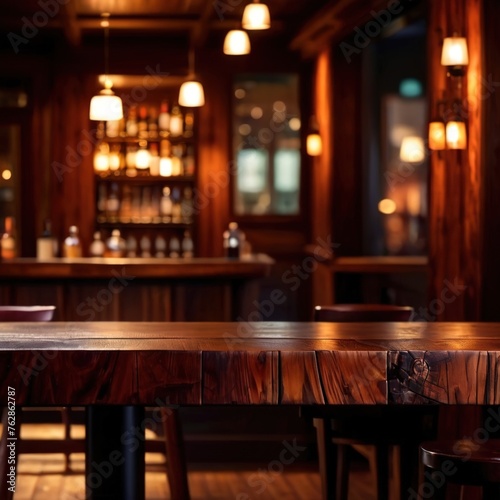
<point x="161" y="364"/>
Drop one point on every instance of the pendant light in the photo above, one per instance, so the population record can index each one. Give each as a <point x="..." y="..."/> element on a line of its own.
<point x="314" y="143"/>
<point x="236" y="43"/>
<point x="191" y="94"/>
<point x="256" y="16"/>
<point x="106" y="106"/>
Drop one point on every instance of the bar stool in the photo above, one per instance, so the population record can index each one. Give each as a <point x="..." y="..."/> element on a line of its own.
<point x="340" y="428"/>
<point x="462" y="462"/>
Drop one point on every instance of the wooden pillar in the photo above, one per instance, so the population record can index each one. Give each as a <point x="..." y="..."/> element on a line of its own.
<point x="456" y="211"/>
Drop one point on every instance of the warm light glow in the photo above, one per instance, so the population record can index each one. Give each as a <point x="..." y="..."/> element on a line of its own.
<point x="437" y="135"/>
<point x="101" y="158"/>
<point x="314" y="144"/>
<point x="106" y="106"/>
<point x="165" y="166"/>
<point x="256" y="112"/>
<point x="6" y="174"/>
<point x="236" y="43"/>
<point x="455" y="52"/>
<point x="387" y="206"/>
<point x="456" y="135"/>
<point x="256" y="17"/>
<point x="294" y="124"/>
<point x="191" y="94"/>
<point x="412" y="149"/>
<point x="142" y="159"/>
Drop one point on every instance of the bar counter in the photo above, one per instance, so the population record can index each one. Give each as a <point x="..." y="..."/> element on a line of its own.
<point x="123" y="289"/>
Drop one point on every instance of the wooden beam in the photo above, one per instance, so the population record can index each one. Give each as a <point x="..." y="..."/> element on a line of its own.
<point x="71" y="29"/>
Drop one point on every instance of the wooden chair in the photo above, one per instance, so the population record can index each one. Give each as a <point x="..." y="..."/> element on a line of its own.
<point x="340" y="428"/>
<point x="464" y="462"/>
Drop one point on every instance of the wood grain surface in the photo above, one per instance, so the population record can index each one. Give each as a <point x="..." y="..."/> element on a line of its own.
<point x="269" y="363"/>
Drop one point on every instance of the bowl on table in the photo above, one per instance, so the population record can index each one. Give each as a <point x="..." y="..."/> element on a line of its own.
<point x="26" y="313"/>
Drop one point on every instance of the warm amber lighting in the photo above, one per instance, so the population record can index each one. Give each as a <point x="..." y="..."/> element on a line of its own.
<point x="142" y="158"/>
<point x="314" y="144"/>
<point x="236" y="43"/>
<point x="437" y="136"/>
<point x="6" y="174"/>
<point x="191" y="94"/>
<point x="455" y="55"/>
<point x="101" y="158"/>
<point x="412" y="149"/>
<point x="165" y="166"/>
<point x="256" y="16"/>
<point x="387" y="206"/>
<point x="456" y="135"/>
<point x="106" y="106"/>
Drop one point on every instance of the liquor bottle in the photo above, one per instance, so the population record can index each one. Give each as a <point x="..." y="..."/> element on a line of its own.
<point x="142" y="158"/>
<point x="176" y="160"/>
<point x="233" y="241"/>
<point x="166" y="205"/>
<point x="113" y="204"/>
<point x="131" y="125"/>
<point x="101" y="202"/>
<point x="97" y="247"/>
<point x="113" y="128"/>
<point x="115" y="245"/>
<point x="142" y="125"/>
<point x="154" y="159"/>
<point x="188" y="161"/>
<point x="174" y="247"/>
<point x="125" y="213"/>
<point x="131" y="246"/>
<point x="146" y="205"/>
<point x="160" y="246"/>
<point x="164" y="119"/>
<point x="115" y="158"/>
<point x="145" y="245"/>
<point x="8" y="242"/>
<point x="46" y="244"/>
<point x="188" y="124"/>
<point x="187" y="245"/>
<point x="153" y="123"/>
<point x="176" y="122"/>
<point x="176" y="205"/>
<point x="130" y="161"/>
<point x="165" y="158"/>
<point x="101" y="158"/>
<point x="72" y="247"/>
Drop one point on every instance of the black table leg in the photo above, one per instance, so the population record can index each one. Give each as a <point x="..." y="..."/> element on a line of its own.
<point x="114" y="462"/>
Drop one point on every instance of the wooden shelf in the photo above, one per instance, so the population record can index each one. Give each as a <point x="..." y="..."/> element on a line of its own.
<point x="146" y="179"/>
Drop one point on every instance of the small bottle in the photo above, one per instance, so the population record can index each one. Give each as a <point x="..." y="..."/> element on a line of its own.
<point x="166" y="205"/>
<point x="188" y="124"/>
<point x="113" y="128"/>
<point x="97" y="247"/>
<point x="115" y="245"/>
<point x="176" y="122"/>
<point x="233" y="241"/>
<point x="8" y="242"/>
<point x="72" y="247"/>
<point x="154" y="159"/>
<point x="174" y="247"/>
<point x="113" y="204"/>
<point x="164" y="119"/>
<point x="187" y="245"/>
<point x="153" y="123"/>
<point x="131" y="125"/>
<point x="176" y="205"/>
<point x="160" y="246"/>
<point x="188" y="161"/>
<point x="142" y="125"/>
<point x="131" y="246"/>
<point x="46" y="244"/>
<point x="145" y="245"/>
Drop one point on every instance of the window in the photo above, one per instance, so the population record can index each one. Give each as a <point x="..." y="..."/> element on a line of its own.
<point x="266" y="145"/>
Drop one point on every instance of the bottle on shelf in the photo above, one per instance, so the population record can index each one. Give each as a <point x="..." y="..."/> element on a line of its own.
<point x="46" y="244"/>
<point x="187" y="245"/>
<point x="174" y="247"/>
<point x="233" y="241"/>
<point x="176" y="205"/>
<point x="131" y="124"/>
<point x="160" y="246"/>
<point x="131" y="246"/>
<point x="72" y="247"/>
<point x="115" y="158"/>
<point x="166" y="205"/>
<point x="165" y="158"/>
<point x="101" y="158"/>
<point x="154" y="159"/>
<point x="164" y="119"/>
<point x="153" y="123"/>
<point x="187" y="205"/>
<point x="145" y="246"/>
<point x="146" y="205"/>
<point x="188" y="161"/>
<point x="125" y="214"/>
<point x="142" y="157"/>
<point x="188" y="124"/>
<point x="113" y="128"/>
<point x="8" y="241"/>
<point x="113" y="204"/>
<point x="176" y="122"/>
<point x="97" y="247"/>
<point x="130" y="161"/>
<point x="176" y="159"/>
<point x="142" y="124"/>
<point x="115" y="245"/>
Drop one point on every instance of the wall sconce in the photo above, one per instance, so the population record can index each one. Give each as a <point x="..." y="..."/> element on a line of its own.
<point x="236" y="43"/>
<point x="455" y="55"/>
<point x="437" y="135"/>
<point x="191" y="94"/>
<point x="106" y="106"/>
<point x="456" y="134"/>
<point x="412" y="149"/>
<point x="256" y="16"/>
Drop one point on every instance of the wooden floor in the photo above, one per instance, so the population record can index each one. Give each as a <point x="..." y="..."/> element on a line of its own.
<point x="43" y="477"/>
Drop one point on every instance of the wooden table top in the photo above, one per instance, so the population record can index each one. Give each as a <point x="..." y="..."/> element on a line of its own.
<point x="251" y="363"/>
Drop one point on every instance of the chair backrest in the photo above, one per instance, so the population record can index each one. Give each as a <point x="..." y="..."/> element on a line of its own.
<point x="26" y="313"/>
<point x="344" y="313"/>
